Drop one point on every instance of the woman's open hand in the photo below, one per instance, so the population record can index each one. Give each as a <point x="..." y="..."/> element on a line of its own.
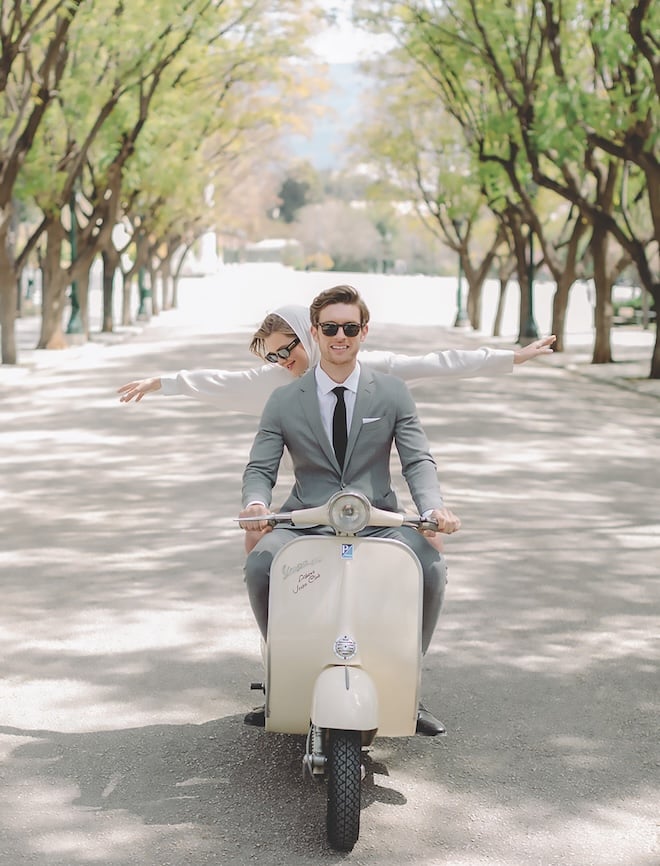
<point x="538" y="347"/>
<point x="136" y="390"/>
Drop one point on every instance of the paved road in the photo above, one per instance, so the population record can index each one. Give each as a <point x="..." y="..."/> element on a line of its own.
<point x="128" y="645"/>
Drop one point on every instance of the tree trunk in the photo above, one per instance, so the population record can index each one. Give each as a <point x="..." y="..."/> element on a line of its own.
<point x="559" y="308"/>
<point x="602" y="353"/>
<point x="166" y="278"/>
<point x="153" y="282"/>
<point x="126" y="287"/>
<point x="473" y="302"/>
<point x="564" y="269"/>
<point x="8" y="300"/>
<point x="8" y="296"/>
<point x="497" y="324"/>
<point x="82" y="285"/>
<point x="476" y="276"/>
<point x="176" y="273"/>
<point x="520" y="250"/>
<point x="110" y="258"/>
<point x="55" y="282"/>
<point x="175" y="291"/>
<point x="655" y="358"/>
<point x="565" y="281"/>
<point x="506" y="267"/>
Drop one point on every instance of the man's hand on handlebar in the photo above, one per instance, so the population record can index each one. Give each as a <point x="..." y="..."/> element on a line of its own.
<point x="446" y="520"/>
<point x="255" y="510"/>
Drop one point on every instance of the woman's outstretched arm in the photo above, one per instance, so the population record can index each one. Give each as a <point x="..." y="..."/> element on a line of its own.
<point x="455" y="363"/>
<point x="247" y="390"/>
<point x="243" y="391"/>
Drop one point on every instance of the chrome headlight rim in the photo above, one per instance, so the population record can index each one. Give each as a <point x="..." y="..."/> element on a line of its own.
<point x="356" y="510"/>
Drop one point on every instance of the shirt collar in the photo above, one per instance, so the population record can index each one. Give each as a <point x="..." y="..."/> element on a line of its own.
<point x="325" y="384"/>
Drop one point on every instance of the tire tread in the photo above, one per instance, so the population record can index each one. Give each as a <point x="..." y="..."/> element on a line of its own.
<point x="344" y="782"/>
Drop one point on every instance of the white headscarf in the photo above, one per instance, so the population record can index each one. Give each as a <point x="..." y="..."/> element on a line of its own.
<point x="297" y="317"/>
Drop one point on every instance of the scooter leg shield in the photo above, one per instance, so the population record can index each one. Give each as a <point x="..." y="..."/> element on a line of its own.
<point x="345" y="698"/>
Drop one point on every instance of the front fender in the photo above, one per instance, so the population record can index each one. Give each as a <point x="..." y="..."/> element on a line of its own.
<point x="345" y="698"/>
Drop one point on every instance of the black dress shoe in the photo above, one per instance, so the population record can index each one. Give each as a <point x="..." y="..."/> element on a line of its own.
<point x="427" y="724"/>
<point x="256" y="717"/>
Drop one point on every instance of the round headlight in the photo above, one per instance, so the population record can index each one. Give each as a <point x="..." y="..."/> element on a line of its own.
<point x="349" y="512"/>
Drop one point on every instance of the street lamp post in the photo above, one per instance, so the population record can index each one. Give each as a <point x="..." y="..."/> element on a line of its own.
<point x="530" y="331"/>
<point x="75" y="321"/>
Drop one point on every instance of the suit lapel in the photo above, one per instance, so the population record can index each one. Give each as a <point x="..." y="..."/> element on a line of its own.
<point x="363" y="402"/>
<point x="310" y="406"/>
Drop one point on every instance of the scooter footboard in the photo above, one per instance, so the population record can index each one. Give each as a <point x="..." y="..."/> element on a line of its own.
<point x="345" y="698"/>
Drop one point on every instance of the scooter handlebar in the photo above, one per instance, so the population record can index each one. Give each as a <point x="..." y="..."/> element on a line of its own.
<point x="319" y="516"/>
<point x="347" y="511"/>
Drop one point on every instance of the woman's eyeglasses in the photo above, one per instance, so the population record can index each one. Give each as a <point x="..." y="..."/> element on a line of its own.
<point x="329" y="329"/>
<point x="283" y="353"/>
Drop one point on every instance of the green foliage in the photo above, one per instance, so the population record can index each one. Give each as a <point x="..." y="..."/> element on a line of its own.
<point x="542" y="94"/>
<point x="169" y="96"/>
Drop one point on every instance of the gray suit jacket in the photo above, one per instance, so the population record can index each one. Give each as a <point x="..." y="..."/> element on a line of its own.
<point x="384" y="413"/>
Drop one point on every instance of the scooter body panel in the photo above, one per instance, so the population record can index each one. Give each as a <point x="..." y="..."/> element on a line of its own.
<point x="363" y="595"/>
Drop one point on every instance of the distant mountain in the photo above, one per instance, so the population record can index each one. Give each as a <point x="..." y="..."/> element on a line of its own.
<point x="326" y="146"/>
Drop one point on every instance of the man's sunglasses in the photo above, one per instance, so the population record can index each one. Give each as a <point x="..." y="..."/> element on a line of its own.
<point x="329" y="329"/>
<point x="283" y="353"/>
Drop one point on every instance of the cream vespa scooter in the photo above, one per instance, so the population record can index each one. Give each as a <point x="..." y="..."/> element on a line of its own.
<point x="343" y="650"/>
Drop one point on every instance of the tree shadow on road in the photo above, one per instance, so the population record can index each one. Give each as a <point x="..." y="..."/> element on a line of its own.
<point x="123" y="603"/>
<point x="246" y="787"/>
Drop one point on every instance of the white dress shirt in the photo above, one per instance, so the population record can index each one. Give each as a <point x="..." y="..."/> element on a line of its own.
<point x="328" y="400"/>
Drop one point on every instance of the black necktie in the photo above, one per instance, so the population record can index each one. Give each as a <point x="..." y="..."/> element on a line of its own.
<point x="339" y="433"/>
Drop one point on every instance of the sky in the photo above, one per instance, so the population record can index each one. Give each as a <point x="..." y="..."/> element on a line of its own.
<point x="343" y="43"/>
<point x="343" y="46"/>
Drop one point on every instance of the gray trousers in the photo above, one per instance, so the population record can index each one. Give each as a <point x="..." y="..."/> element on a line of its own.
<point x="434" y="570"/>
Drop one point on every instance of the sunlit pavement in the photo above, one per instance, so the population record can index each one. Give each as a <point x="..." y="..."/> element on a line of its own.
<point x="128" y="645"/>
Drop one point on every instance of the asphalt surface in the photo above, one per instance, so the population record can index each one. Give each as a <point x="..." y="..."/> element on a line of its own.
<point x="128" y="645"/>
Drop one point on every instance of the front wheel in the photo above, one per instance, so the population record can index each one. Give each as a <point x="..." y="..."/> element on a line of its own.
<point x="344" y="773"/>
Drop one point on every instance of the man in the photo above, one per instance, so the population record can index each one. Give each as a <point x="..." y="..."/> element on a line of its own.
<point x="338" y="422"/>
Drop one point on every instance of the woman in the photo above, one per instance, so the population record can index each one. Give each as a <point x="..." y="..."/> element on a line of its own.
<point x="284" y="340"/>
<point x="246" y="391"/>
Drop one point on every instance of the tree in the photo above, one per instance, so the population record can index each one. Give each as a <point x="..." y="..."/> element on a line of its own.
<point x="34" y="55"/>
<point x="301" y="187"/>
<point x="237" y="55"/>
<point x="420" y="160"/>
<point x="533" y="110"/>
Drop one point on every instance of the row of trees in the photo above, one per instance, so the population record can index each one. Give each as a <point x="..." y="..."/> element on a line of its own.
<point x="505" y="125"/>
<point x="509" y="123"/>
<point x="136" y="114"/>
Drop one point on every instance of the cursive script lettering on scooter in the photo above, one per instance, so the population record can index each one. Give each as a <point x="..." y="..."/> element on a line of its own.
<point x="305" y="579"/>
<point x="288" y="570"/>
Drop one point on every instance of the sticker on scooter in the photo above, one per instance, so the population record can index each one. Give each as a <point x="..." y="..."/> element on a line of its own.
<point x="345" y="647"/>
<point x="347" y="551"/>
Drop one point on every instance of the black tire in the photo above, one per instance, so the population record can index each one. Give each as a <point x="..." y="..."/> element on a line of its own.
<point x="344" y="773"/>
